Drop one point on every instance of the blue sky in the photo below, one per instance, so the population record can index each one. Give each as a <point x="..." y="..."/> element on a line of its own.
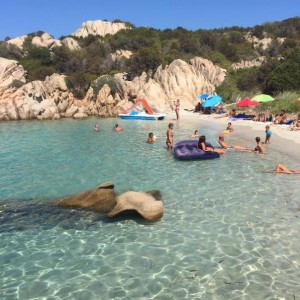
<point x="62" y="17"/>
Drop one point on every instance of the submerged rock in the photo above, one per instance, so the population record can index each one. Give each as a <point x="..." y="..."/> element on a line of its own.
<point x="146" y="204"/>
<point x="102" y="198"/>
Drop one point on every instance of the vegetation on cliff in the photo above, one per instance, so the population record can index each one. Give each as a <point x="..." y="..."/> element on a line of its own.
<point x="280" y="72"/>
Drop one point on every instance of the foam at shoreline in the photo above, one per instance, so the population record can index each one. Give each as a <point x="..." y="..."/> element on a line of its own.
<point x="283" y="140"/>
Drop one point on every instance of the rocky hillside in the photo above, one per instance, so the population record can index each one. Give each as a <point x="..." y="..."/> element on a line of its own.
<point x="51" y="99"/>
<point x="101" y="68"/>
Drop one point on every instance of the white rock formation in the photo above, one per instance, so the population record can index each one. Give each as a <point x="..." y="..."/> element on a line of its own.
<point x="18" y="41"/>
<point x="99" y="27"/>
<point x="263" y="43"/>
<point x="257" y="62"/>
<point x="71" y="43"/>
<point x="179" y="80"/>
<point x="10" y="71"/>
<point x="50" y="99"/>
<point x="46" y="40"/>
<point x="121" y="53"/>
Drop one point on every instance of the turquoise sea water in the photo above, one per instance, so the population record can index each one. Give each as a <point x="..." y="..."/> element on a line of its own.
<point x="229" y="231"/>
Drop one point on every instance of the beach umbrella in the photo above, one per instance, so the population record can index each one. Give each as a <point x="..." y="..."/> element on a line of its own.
<point x="203" y="96"/>
<point x="263" y="98"/>
<point x="247" y="102"/>
<point x="212" y="101"/>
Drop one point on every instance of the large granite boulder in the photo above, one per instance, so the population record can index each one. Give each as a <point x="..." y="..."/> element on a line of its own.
<point x="146" y="204"/>
<point x="10" y="70"/>
<point x="102" y="198"/>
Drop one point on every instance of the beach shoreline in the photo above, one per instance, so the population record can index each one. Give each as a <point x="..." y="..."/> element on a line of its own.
<point x="283" y="139"/>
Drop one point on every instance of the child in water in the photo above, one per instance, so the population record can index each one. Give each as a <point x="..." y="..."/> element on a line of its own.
<point x="151" y="138"/>
<point x="195" y="134"/>
<point x="97" y="127"/>
<point x="268" y="134"/>
<point x="259" y="148"/>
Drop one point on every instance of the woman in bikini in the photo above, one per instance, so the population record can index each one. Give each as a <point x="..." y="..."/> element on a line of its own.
<point x="170" y="139"/>
<point x="203" y="146"/>
<point x="177" y="106"/>
<point x="280" y="168"/>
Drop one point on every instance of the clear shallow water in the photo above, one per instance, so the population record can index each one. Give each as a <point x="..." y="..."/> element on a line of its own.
<point x="229" y="230"/>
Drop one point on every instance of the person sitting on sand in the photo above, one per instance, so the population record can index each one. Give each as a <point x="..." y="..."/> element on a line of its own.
<point x="227" y="146"/>
<point x="203" y="147"/>
<point x="268" y="135"/>
<point x="280" y="168"/>
<point x="151" y="138"/>
<point x="231" y="113"/>
<point x="281" y="118"/>
<point x="195" y="134"/>
<point x="296" y="124"/>
<point x="117" y="128"/>
<point x="259" y="147"/>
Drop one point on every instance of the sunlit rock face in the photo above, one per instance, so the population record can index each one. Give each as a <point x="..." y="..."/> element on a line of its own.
<point x="99" y="27"/>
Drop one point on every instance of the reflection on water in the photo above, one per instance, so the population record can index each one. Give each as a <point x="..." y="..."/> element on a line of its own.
<point x="229" y="230"/>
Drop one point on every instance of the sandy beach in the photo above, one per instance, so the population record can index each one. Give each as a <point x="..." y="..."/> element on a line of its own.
<point x="283" y="139"/>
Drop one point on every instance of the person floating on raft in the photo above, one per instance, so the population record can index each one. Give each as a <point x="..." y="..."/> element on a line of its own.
<point x="202" y="145"/>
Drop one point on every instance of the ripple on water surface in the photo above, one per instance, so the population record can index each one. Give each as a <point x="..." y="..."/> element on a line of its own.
<point x="229" y="230"/>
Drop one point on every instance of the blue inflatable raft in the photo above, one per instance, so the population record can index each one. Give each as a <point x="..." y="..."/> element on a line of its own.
<point x="188" y="150"/>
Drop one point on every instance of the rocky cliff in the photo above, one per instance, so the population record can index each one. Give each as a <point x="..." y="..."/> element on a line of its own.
<point x="51" y="99"/>
<point x="99" y="28"/>
<point x="45" y="40"/>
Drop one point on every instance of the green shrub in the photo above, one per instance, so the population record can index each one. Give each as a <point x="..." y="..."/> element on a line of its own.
<point x="79" y="83"/>
<point x="17" y="83"/>
<point x="98" y="84"/>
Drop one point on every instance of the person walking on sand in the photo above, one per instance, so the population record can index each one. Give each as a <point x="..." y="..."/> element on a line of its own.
<point x="177" y="107"/>
<point x="170" y="136"/>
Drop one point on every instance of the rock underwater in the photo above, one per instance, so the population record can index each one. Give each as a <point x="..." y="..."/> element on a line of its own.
<point x="103" y="199"/>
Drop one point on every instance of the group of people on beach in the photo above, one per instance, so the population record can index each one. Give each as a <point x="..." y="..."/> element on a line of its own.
<point x="207" y="147"/>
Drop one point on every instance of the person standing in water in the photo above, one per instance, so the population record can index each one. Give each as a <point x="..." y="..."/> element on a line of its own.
<point x="170" y="138"/>
<point x="97" y="128"/>
<point x="268" y="134"/>
<point x="177" y="107"/>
